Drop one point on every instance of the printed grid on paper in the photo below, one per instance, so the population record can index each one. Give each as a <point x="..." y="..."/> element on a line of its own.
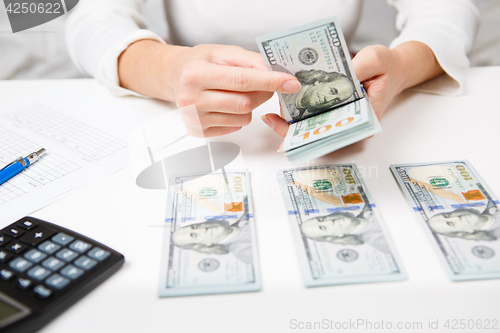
<point x="49" y="168"/>
<point x="72" y="133"/>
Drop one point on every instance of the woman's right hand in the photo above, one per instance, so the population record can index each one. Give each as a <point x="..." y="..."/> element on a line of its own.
<point x="225" y="83"/>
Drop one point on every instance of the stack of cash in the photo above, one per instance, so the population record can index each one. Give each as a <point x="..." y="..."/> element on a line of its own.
<point x="330" y="111"/>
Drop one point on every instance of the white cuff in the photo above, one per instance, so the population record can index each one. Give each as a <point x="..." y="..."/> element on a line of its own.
<point x="447" y="27"/>
<point x="454" y="65"/>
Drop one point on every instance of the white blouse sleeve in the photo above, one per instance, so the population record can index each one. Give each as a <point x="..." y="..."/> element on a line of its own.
<point x="98" y="31"/>
<point x="448" y="27"/>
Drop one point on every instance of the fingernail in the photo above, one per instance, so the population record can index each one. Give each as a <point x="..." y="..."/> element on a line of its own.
<point x="291" y="86"/>
<point x="267" y="121"/>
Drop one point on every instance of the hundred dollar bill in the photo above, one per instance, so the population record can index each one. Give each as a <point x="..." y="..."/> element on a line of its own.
<point x="317" y="55"/>
<point x="210" y="245"/>
<point x="317" y="136"/>
<point x="338" y="232"/>
<point x="460" y="212"/>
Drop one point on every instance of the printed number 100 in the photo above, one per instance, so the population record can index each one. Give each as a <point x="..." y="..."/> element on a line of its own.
<point x="326" y="128"/>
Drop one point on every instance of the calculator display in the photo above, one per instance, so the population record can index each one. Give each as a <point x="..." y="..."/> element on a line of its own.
<point x="10" y="313"/>
<point x="6" y="311"/>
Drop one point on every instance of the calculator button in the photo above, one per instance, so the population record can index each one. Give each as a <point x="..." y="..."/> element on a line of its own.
<point x="23" y="283"/>
<point x="38" y="273"/>
<point x="42" y="291"/>
<point x="15" y="247"/>
<point x="62" y="239"/>
<point x="13" y="232"/>
<point x="20" y="264"/>
<point x="98" y="253"/>
<point x="57" y="281"/>
<point x="4" y="239"/>
<point x="26" y="225"/>
<point x="5" y="274"/>
<point x="66" y="255"/>
<point x="35" y="256"/>
<point x="35" y="237"/>
<point x="4" y="256"/>
<point x="53" y="264"/>
<point x="85" y="262"/>
<point x="72" y="272"/>
<point x="48" y="247"/>
<point x="80" y="246"/>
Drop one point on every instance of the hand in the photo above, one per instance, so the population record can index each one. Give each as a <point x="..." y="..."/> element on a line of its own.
<point x="225" y="83"/>
<point x="384" y="73"/>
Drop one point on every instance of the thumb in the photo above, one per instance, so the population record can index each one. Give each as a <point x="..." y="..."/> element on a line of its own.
<point x="366" y="63"/>
<point x="278" y="124"/>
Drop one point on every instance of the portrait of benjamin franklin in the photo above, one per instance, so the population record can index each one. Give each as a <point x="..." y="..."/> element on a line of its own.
<point x="216" y="237"/>
<point x="321" y="91"/>
<point x="346" y="229"/>
<point x="467" y="223"/>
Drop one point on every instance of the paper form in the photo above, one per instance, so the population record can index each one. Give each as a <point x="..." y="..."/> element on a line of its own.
<point x="84" y="140"/>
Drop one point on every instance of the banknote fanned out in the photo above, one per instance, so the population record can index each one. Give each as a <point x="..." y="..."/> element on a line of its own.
<point x="339" y="235"/>
<point x="317" y="55"/>
<point x="460" y="212"/>
<point x="330" y="111"/>
<point x="210" y="245"/>
<point x="329" y="131"/>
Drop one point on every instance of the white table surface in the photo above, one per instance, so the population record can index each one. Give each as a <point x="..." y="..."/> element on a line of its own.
<point x="416" y="128"/>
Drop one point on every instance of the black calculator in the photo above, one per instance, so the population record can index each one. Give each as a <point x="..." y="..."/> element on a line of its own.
<point x="45" y="268"/>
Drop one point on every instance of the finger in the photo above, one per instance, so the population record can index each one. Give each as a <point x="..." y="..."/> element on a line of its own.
<point x="198" y="132"/>
<point x="278" y="124"/>
<point x="218" y="131"/>
<point x="280" y="149"/>
<point x="366" y="63"/>
<point x="246" y="79"/>
<point x="217" y="119"/>
<point x="231" y="102"/>
<point x="376" y="96"/>
<point x="238" y="56"/>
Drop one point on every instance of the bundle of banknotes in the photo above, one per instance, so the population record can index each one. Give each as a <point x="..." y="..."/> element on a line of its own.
<point x="330" y="111"/>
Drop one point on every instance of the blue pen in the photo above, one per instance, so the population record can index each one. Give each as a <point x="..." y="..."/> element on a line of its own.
<point x="18" y="165"/>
